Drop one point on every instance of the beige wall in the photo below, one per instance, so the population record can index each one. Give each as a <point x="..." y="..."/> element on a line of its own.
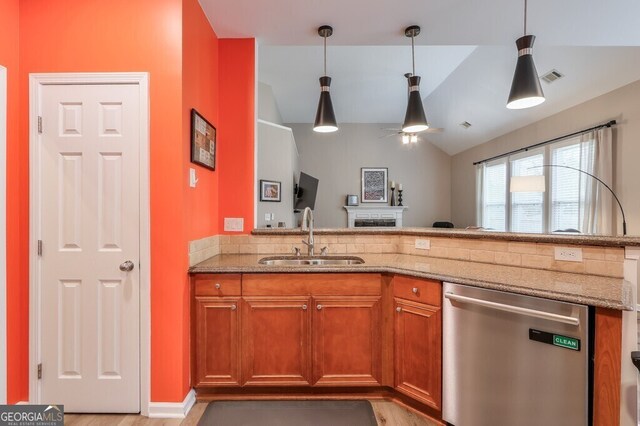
<point x="277" y="161"/>
<point x="622" y="105"/>
<point x="336" y="158"/>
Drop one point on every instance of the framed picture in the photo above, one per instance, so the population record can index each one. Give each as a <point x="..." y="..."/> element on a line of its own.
<point x="374" y="185"/>
<point x="269" y="190"/>
<point x="203" y="141"/>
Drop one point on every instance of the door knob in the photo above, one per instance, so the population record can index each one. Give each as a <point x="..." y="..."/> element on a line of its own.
<point x="319" y="307"/>
<point x="398" y="309"/>
<point x="126" y="266"/>
<point x="415" y="290"/>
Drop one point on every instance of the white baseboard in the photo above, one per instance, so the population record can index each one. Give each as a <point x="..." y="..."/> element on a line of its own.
<point x="172" y="410"/>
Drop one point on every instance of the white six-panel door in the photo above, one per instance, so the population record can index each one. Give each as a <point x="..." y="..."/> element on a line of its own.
<point x="89" y="217"/>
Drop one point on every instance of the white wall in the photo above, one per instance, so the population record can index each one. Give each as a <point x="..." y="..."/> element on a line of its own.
<point x="336" y="158"/>
<point x="267" y="107"/>
<point x="3" y="233"/>
<point x="622" y="104"/>
<point x="278" y="161"/>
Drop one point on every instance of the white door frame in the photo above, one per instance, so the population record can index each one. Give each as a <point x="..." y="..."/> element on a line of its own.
<point x="36" y="83"/>
<point x="3" y="235"/>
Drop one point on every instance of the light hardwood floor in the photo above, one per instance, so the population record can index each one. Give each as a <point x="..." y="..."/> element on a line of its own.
<point x="387" y="413"/>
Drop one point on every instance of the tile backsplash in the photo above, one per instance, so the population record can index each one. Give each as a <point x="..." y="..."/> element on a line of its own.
<point x="606" y="261"/>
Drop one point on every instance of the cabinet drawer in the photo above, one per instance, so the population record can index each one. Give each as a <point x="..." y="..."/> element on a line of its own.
<point x="419" y="290"/>
<point x="311" y="284"/>
<point x="218" y="285"/>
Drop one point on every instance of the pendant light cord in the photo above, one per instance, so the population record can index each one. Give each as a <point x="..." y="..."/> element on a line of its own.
<point x="525" y="17"/>
<point x="413" y="55"/>
<point x="325" y="54"/>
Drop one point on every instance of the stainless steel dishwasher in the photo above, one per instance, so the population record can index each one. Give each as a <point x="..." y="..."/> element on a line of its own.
<point x="513" y="360"/>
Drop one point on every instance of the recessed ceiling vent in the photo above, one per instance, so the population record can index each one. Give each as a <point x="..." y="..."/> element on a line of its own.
<point x="552" y="76"/>
<point x="465" y="124"/>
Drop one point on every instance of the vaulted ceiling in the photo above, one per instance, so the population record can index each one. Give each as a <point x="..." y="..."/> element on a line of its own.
<point x="466" y="55"/>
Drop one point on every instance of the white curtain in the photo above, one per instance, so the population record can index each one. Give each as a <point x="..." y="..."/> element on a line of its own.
<point x="479" y="189"/>
<point x="596" y="206"/>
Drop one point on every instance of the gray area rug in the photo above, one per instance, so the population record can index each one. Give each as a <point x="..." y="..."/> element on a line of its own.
<point x="288" y="413"/>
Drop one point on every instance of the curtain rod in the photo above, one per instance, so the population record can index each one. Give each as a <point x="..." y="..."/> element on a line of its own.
<point x="527" y="148"/>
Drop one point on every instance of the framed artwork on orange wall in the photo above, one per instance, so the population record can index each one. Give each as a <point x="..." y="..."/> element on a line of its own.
<point x="203" y="141"/>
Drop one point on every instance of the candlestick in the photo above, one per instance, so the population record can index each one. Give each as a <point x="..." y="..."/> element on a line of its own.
<point x="399" y="197"/>
<point x="393" y="198"/>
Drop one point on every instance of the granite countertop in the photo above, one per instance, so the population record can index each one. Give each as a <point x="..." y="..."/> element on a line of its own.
<point x="592" y="290"/>
<point x="575" y="239"/>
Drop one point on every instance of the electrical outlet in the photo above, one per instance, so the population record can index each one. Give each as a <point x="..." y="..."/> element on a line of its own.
<point x="568" y="254"/>
<point x="268" y="216"/>
<point x="233" y="224"/>
<point x="423" y="244"/>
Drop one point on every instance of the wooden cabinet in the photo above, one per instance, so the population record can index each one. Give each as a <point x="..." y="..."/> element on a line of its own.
<point x="322" y="330"/>
<point x="276" y="345"/>
<point x="347" y="346"/>
<point x="418" y="340"/>
<point x="289" y="317"/>
<point x="216" y="330"/>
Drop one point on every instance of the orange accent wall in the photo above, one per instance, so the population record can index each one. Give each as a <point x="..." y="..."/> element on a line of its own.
<point x="188" y="67"/>
<point x="17" y="317"/>
<point x="115" y="36"/>
<point x="237" y="130"/>
<point x="200" y="90"/>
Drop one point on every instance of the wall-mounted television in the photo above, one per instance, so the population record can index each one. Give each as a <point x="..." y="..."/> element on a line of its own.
<point x="306" y="191"/>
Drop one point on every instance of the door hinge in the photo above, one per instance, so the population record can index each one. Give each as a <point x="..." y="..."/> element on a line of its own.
<point x="39" y="371"/>
<point x="39" y="124"/>
<point x="39" y="247"/>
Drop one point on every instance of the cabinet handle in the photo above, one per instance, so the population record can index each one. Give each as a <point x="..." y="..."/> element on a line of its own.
<point x="304" y="307"/>
<point x="233" y="307"/>
<point x="218" y="286"/>
<point x="415" y="290"/>
<point x="319" y="307"/>
<point x="398" y="309"/>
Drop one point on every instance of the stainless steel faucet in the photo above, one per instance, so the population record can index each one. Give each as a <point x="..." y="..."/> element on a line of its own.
<point x="307" y="225"/>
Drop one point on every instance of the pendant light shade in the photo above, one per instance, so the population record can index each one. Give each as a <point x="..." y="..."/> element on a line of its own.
<point x="415" y="119"/>
<point x="526" y="91"/>
<point x="325" y="117"/>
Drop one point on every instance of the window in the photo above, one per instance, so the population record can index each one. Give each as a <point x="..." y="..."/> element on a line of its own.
<point x="527" y="208"/>
<point x="494" y="205"/>
<point x="561" y="208"/>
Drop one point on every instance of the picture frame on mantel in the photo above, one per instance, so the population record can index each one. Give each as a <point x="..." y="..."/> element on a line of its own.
<point x="374" y="184"/>
<point x="203" y="141"/>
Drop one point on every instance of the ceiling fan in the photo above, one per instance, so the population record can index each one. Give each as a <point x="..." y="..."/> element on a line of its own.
<point x="409" y="138"/>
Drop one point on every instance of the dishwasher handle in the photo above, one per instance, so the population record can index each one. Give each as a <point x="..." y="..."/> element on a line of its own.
<point x="514" y="309"/>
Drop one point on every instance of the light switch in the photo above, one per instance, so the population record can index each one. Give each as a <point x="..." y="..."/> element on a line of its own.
<point x="267" y="216"/>
<point x="192" y="177"/>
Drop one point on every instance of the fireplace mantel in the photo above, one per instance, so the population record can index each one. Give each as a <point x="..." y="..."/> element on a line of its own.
<point x="375" y="216"/>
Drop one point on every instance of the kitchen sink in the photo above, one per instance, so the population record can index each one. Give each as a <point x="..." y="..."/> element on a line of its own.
<point x="310" y="261"/>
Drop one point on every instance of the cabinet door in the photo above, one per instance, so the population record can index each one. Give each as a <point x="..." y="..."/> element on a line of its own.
<point x="217" y="342"/>
<point x="276" y="341"/>
<point x="418" y="351"/>
<point x="347" y="333"/>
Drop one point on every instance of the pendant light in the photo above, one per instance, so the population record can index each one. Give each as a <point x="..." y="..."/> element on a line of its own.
<point x="325" y="117"/>
<point x="414" y="119"/>
<point x="525" y="88"/>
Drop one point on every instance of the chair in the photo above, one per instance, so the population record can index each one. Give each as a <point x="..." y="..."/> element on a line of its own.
<point x="442" y="225"/>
